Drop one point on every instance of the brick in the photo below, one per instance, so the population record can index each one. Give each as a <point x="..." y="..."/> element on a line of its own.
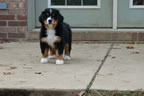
<point x="99" y="36"/>
<point x="135" y="36"/>
<point x="17" y="23"/>
<point x="7" y="17"/>
<point x="141" y="36"/>
<point x="3" y="35"/>
<point x="21" y="0"/>
<point x="8" y="29"/>
<point x="21" y="17"/>
<point x="78" y="36"/>
<point x="103" y="36"/>
<point x="17" y="11"/>
<point x="2" y="23"/>
<point x="122" y="36"/>
<point x="3" y="12"/>
<point x="12" y="0"/>
<point x="33" y="35"/>
<point x="16" y="0"/>
<point x="2" y="0"/>
<point x="21" y="5"/>
<point x="12" y="5"/>
<point x="22" y="29"/>
<point x="16" y="35"/>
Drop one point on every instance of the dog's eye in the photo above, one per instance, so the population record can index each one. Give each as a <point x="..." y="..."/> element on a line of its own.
<point x="47" y="14"/>
<point x="53" y="14"/>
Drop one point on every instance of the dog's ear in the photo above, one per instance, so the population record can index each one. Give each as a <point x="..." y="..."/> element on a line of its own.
<point x="41" y="17"/>
<point x="60" y="17"/>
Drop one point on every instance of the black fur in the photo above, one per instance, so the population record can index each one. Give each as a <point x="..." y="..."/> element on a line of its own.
<point x="62" y="30"/>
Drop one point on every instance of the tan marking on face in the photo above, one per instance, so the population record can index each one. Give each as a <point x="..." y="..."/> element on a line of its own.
<point x="45" y="55"/>
<point x="55" y="23"/>
<point x="53" y="14"/>
<point x="51" y="26"/>
<point x="48" y="14"/>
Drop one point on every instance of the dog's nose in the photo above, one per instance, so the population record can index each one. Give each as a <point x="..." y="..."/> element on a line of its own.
<point x="50" y="21"/>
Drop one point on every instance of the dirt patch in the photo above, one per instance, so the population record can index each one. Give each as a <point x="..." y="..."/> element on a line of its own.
<point x="116" y="93"/>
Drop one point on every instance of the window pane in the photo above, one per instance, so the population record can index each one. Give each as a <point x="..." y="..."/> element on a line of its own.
<point x="89" y="2"/>
<point x="73" y="2"/>
<point x="57" y="2"/>
<point x="138" y="2"/>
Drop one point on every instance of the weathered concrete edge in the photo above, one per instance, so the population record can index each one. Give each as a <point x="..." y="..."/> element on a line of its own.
<point x="57" y="92"/>
<point x="37" y="92"/>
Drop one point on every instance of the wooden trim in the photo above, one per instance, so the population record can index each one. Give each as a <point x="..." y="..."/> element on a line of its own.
<point x="115" y="9"/>
<point x="31" y="14"/>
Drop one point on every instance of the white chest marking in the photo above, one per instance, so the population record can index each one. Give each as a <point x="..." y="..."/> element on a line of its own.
<point x="51" y="37"/>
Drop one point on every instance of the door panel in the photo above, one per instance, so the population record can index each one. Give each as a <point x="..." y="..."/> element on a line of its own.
<point x="129" y="17"/>
<point x="97" y="18"/>
<point x="40" y="6"/>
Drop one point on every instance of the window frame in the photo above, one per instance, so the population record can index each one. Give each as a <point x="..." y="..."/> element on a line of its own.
<point x="75" y="7"/>
<point x="134" y="6"/>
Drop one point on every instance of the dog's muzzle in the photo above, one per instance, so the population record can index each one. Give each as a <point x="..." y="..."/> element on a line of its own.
<point x="49" y="20"/>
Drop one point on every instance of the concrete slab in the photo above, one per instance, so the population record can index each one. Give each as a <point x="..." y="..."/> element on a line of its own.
<point x="20" y="67"/>
<point x="123" y="69"/>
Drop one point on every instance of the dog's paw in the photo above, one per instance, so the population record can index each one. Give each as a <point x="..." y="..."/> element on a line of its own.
<point x="52" y="57"/>
<point x="44" y="60"/>
<point x="59" y="62"/>
<point x="67" y="57"/>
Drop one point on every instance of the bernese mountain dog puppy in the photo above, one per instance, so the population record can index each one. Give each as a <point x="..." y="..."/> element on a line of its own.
<point x="55" y="36"/>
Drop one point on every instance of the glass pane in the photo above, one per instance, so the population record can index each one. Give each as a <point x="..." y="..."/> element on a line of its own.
<point x="138" y="2"/>
<point x="57" y="2"/>
<point x="89" y="2"/>
<point x="73" y="2"/>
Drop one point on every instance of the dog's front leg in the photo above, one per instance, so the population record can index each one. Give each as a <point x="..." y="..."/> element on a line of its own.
<point x="59" y="55"/>
<point x="44" y="51"/>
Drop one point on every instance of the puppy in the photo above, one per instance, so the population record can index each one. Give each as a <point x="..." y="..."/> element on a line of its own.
<point x="55" y="36"/>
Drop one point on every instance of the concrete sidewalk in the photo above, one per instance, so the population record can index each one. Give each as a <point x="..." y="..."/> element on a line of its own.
<point x="20" y="67"/>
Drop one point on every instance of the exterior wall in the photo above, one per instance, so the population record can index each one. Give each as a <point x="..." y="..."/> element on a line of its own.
<point x="13" y="20"/>
<point x="16" y="24"/>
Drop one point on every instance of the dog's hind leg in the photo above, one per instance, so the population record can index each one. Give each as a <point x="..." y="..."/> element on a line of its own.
<point x="67" y="52"/>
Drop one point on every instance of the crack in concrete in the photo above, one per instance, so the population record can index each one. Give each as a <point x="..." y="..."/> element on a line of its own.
<point x="97" y="71"/>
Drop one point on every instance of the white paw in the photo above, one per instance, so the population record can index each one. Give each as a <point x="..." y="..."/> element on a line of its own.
<point x="59" y="62"/>
<point x="67" y="57"/>
<point x="52" y="57"/>
<point x="44" y="60"/>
